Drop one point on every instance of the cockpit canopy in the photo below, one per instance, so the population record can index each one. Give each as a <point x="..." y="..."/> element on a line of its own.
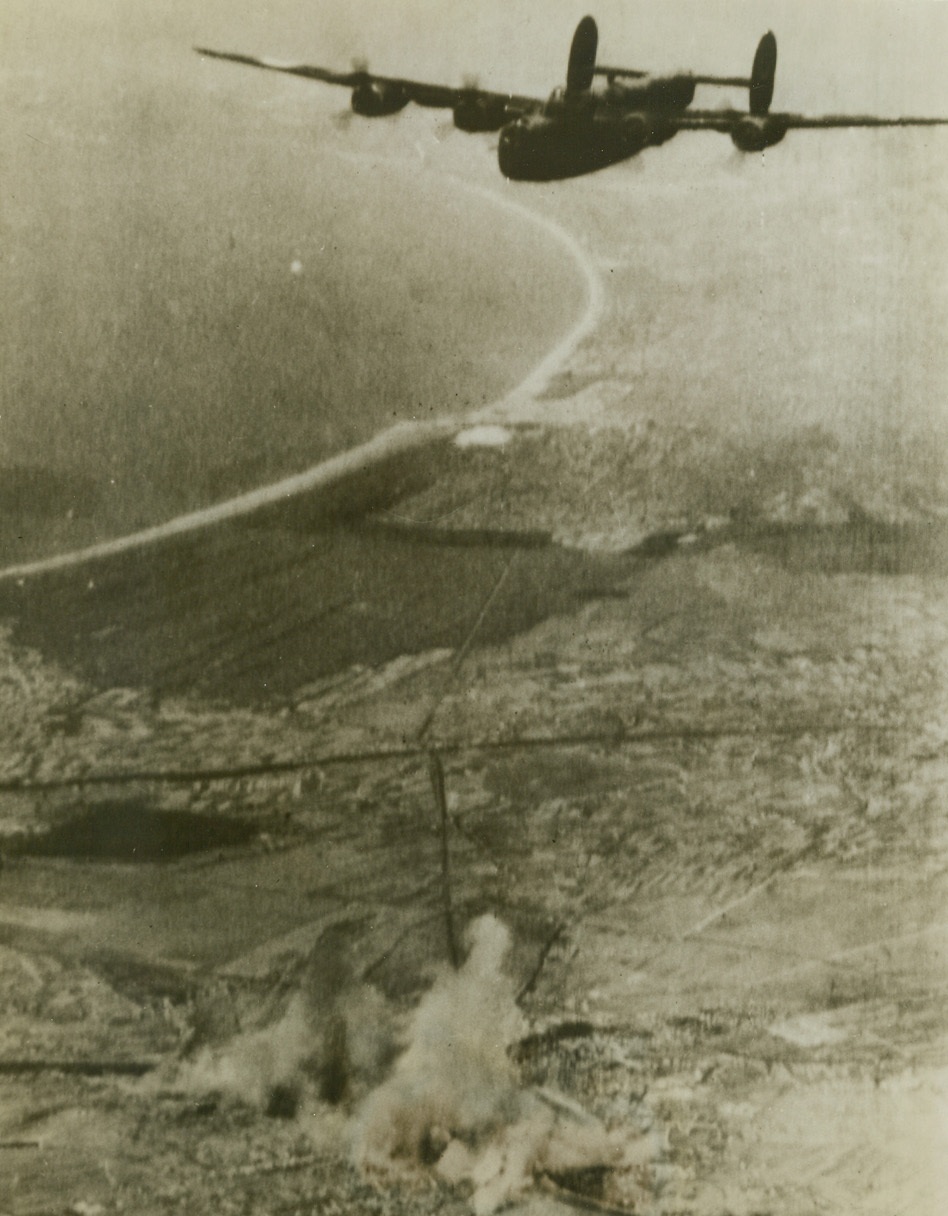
<point x="563" y="104"/>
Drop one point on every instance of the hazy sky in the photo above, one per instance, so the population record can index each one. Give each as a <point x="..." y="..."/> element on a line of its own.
<point x="838" y="54"/>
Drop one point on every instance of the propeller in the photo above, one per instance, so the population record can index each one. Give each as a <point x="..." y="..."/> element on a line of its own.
<point x="342" y="119"/>
<point x="446" y="126"/>
<point x="736" y="161"/>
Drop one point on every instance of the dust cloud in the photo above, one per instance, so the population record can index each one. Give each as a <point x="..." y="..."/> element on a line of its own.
<point x="434" y="1090"/>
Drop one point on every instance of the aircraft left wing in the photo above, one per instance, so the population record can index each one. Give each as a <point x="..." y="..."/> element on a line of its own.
<point x="277" y="65"/>
<point x="474" y="109"/>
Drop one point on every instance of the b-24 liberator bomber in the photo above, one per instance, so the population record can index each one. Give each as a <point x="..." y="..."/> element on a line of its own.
<point x="602" y="115"/>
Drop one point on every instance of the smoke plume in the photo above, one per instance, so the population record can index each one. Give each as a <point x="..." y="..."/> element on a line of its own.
<point x="439" y="1092"/>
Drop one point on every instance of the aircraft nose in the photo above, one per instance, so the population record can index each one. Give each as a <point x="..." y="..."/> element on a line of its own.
<point x="509" y="150"/>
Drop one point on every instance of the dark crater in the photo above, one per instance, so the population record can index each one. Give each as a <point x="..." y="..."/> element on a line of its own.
<point x="129" y="830"/>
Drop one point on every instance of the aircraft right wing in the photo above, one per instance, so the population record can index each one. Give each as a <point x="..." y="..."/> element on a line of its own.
<point x="755" y="132"/>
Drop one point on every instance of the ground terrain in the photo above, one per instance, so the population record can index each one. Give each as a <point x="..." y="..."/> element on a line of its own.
<point x="684" y="669"/>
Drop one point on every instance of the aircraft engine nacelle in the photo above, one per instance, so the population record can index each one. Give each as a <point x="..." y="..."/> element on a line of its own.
<point x="674" y="93"/>
<point x="754" y="134"/>
<point x="480" y="114"/>
<point x="377" y="98"/>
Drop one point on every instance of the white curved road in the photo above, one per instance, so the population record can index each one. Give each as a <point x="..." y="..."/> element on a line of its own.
<point x="399" y="438"/>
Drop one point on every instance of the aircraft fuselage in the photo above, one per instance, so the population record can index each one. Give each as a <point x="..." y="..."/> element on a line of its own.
<point x="653" y="93"/>
<point x="548" y="148"/>
<point x="572" y="137"/>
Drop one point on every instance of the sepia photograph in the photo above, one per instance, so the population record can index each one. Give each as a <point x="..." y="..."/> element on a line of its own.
<point x="474" y="608"/>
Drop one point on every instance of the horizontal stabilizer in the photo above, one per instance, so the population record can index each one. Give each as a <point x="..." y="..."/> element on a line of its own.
<point x="612" y="73"/>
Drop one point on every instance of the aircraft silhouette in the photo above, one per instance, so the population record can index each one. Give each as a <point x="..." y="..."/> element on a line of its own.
<point x="578" y="128"/>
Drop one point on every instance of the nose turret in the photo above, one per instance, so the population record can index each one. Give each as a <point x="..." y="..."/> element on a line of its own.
<point x="510" y="150"/>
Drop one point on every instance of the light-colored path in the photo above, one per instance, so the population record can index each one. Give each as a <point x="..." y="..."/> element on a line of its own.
<point x="401" y="438"/>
